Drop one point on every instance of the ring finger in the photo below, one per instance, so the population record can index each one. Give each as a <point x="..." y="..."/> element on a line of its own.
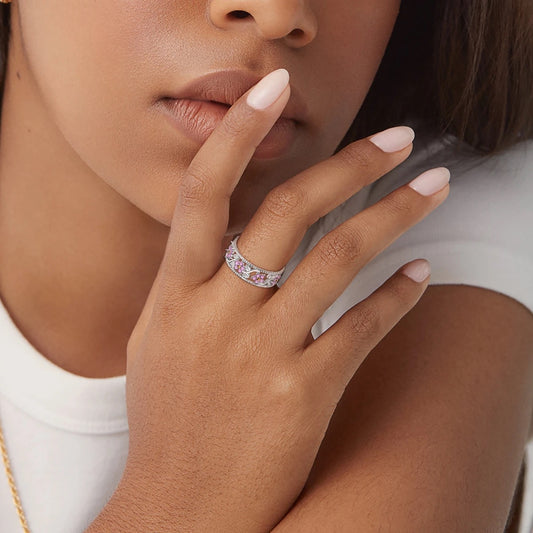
<point x="273" y="234"/>
<point x="326" y="271"/>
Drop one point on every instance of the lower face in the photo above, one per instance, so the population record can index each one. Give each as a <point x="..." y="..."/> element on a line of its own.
<point x="103" y="68"/>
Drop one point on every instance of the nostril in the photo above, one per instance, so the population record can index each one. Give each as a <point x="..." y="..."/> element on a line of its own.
<point x="239" y="14"/>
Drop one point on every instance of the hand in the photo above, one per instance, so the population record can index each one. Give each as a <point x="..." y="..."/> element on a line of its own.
<point x="228" y="395"/>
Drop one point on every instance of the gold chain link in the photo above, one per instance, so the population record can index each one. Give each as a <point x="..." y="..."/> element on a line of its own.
<point x="11" y="480"/>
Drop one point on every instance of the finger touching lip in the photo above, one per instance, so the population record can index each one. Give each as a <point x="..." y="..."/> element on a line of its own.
<point x="227" y="86"/>
<point x="198" y="118"/>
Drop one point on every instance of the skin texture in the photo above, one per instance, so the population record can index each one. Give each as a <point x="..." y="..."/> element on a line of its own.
<point x="98" y="192"/>
<point x="93" y="203"/>
<point x="430" y="432"/>
<point x="224" y="417"/>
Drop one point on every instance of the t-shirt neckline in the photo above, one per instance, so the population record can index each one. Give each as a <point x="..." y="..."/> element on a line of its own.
<point x="53" y="395"/>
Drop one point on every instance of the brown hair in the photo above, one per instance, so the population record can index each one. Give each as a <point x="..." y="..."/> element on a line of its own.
<point x="459" y="67"/>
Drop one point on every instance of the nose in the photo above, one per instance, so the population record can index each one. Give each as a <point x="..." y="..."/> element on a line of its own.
<point x="292" y="20"/>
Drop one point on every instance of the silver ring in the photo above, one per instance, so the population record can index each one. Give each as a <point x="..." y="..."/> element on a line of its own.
<point x="249" y="272"/>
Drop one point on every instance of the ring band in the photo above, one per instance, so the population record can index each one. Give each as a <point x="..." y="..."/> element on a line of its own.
<point x="249" y="272"/>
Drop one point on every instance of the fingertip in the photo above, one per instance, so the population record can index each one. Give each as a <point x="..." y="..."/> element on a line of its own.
<point x="418" y="270"/>
<point x="268" y="89"/>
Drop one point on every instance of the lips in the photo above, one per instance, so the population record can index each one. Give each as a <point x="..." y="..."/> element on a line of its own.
<point x="198" y="118"/>
<point x="227" y="86"/>
<point x="201" y="105"/>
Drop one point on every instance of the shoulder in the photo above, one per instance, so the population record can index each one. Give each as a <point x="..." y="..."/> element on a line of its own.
<point x="446" y="394"/>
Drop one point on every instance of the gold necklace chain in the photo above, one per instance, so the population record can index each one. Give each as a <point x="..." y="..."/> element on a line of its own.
<point x="12" y="486"/>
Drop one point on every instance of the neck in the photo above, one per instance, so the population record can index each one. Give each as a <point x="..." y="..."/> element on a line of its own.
<point x="77" y="259"/>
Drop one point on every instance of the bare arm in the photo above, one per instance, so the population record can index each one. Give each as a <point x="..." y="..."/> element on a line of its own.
<point x="431" y="431"/>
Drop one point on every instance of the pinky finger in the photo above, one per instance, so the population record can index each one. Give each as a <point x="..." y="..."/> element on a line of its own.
<point x="330" y="362"/>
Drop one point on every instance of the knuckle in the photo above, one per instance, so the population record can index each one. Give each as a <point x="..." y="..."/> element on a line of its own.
<point x="400" y="203"/>
<point x="358" y="155"/>
<point x="342" y="247"/>
<point x="366" y="323"/>
<point x="233" y="125"/>
<point x="197" y="186"/>
<point x="399" y="291"/>
<point x="291" y="391"/>
<point x="287" y="200"/>
<point x="284" y="384"/>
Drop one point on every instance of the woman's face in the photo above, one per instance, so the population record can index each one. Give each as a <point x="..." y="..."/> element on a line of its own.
<point x="101" y="68"/>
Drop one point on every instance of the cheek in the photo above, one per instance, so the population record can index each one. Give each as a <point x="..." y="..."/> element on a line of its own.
<point x="94" y="66"/>
<point x="99" y="66"/>
<point x="77" y="60"/>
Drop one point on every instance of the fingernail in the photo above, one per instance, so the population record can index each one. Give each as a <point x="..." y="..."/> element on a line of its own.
<point x="393" y="139"/>
<point x="269" y="89"/>
<point x="418" y="270"/>
<point x="431" y="181"/>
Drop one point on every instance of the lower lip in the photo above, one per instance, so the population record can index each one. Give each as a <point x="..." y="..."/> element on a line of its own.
<point x="198" y="118"/>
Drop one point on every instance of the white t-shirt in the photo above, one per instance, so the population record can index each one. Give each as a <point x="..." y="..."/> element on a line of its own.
<point x="67" y="435"/>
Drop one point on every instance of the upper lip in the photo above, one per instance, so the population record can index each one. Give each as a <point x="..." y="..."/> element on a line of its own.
<point x="227" y="86"/>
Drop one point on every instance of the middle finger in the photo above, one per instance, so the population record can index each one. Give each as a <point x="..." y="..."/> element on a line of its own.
<point x="325" y="272"/>
<point x="273" y="234"/>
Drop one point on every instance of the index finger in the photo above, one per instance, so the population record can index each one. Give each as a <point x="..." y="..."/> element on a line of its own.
<point x="194" y="250"/>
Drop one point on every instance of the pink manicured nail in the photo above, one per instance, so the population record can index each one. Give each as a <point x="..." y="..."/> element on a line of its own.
<point x="393" y="139"/>
<point x="431" y="181"/>
<point x="269" y="89"/>
<point x="418" y="270"/>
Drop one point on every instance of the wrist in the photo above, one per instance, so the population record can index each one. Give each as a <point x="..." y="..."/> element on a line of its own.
<point x="144" y="502"/>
